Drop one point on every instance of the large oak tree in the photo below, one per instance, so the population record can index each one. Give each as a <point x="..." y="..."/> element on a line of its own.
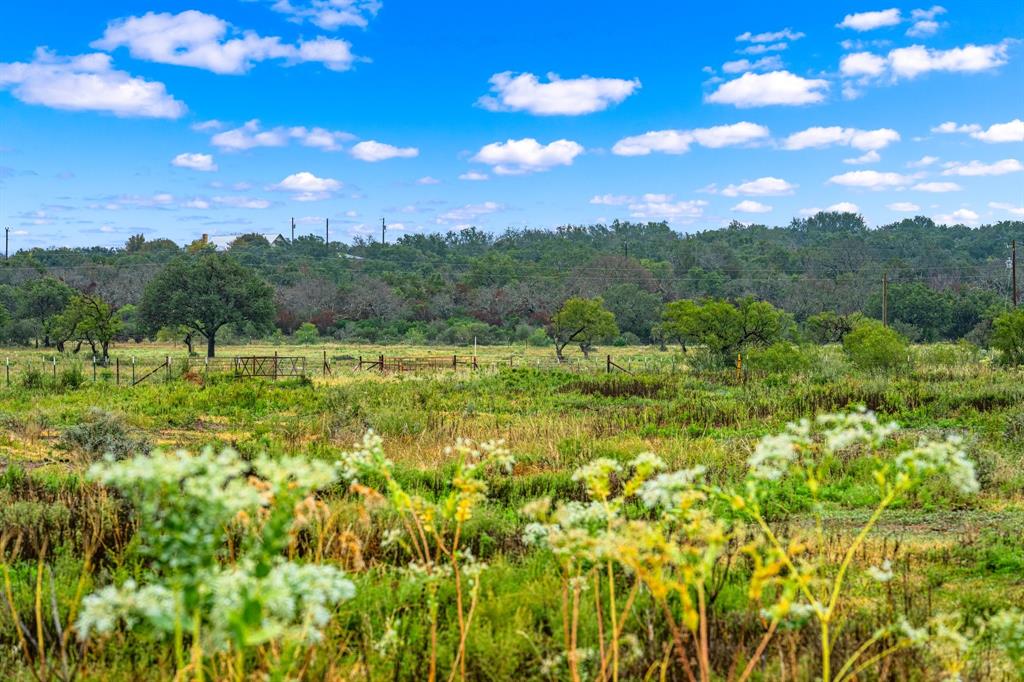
<point x="204" y="292"/>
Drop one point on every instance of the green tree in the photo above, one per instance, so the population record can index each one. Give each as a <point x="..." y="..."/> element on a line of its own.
<point x="871" y="345"/>
<point x="90" y="319"/>
<point x="681" y="322"/>
<point x="583" y="321"/>
<point x="635" y="309"/>
<point x="1008" y="336"/>
<point x="204" y="293"/>
<point x="43" y="299"/>
<point x="828" y="327"/>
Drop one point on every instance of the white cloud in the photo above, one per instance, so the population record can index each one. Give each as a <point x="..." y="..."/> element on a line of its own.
<point x="1011" y="131"/>
<point x="308" y="187"/>
<point x="770" y="37"/>
<point x="474" y="176"/>
<point x="867" y="21"/>
<point x="330" y="14"/>
<point x="612" y="199"/>
<point x="762" y="187"/>
<point x="199" y="162"/>
<point x="1009" y="208"/>
<point x="770" y="63"/>
<point x="910" y="62"/>
<point x="841" y="207"/>
<point x="862" y="64"/>
<point x="371" y="150"/>
<point x="87" y="83"/>
<point x="937" y="187"/>
<point x="960" y="216"/>
<point x="903" y="207"/>
<point x="867" y="157"/>
<point x="924" y="21"/>
<point x="206" y="126"/>
<point x="923" y="162"/>
<point x="871" y="179"/>
<point x="975" y="168"/>
<point x="679" y="141"/>
<point x="766" y="89"/>
<point x="568" y="97"/>
<point x="864" y="140"/>
<point x="469" y="212"/>
<point x="241" y="202"/>
<point x="750" y="206"/>
<point x="427" y="180"/>
<point x="666" y="207"/>
<point x="516" y="157"/>
<point x="192" y="38"/>
<point x="252" y="135"/>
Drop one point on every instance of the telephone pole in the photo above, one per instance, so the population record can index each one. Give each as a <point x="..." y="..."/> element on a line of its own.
<point x="1013" y="270"/>
<point x="885" y="299"/>
<point x="383" y="229"/>
<point x="327" y="228"/>
<point x="293" y="229"/>
<point x="7" y="242"/>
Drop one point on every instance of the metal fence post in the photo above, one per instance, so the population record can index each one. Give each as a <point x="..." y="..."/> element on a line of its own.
<point x="133" y="370"/>
<point x="8" y="363"/>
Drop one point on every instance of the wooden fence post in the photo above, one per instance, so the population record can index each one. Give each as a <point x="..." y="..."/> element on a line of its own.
<point x="608" y="364"/>
<point x="275" y="365"/>
<point x="455" y="361"/>
<point x="117" y="371"/>
<point x="168" y="364"/>
<point x="381" y="363"/>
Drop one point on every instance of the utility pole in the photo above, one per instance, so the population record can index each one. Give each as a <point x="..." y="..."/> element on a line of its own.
<point x="1013" y="270"/>
<point x="7" y="242"/>
<point x="383" y="229"/>
<point x="885" y="299"/>
<point x="327" y="228"/>
<point x="625" y="248"/>
<point x="293" y="229"/>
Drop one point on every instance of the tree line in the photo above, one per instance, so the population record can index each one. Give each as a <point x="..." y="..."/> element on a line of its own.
<point x="946" y="282"/>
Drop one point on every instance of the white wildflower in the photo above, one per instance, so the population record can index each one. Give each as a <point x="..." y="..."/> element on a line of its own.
<point x="881" y="573"/>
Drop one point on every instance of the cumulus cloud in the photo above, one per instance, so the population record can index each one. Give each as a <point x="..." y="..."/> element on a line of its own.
<point x="474" y="176"/>
<point x="235" y="201"/>
<point x="859" y="64"/>
<point x="871" y="179"/>
<point x="1013" y="209"/>
<point x="751" y="206"/>
<point x="469" y="212"/>
<point x="1011" y="131"/>
<point x="868" y="21"/>
<point x="937" y="187"/>
<point x="371" y="150"/>
<point x="192" y="38"/>
<point x="867" y="157"/>
<point x="762" y="187"/>
<point x="567" y="97"/>
<point x="977" y="168"/>
<point x="841" y="207"/>
<point x="611" y="199"/>
<point x="666" y="207"/>
<point x="961" y="216"/>
<point x="903" y="206"/>
<point x="306" y="186"/>
<point x="910" y="62"/>
<point x="924" y="21"/>
<point x="767" y="89"/>
<point x="820" y="137"/>
<point x="771" y="63"/>
<point x="427" y="180"/>
<point x="679" y="141"/>
<point x="330" y="15"/>
<point x="199" y="162"/>
<point x="923" y="162"/>
<point x="87" y="83"/>
<point x="516" y="157"/>
<point x="252" y="135"/>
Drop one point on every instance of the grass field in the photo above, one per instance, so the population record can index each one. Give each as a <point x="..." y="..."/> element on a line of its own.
<point x="949" y="552"/>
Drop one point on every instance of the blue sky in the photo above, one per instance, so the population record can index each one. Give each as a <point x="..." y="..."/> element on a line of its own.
<point x="176" y="119"/>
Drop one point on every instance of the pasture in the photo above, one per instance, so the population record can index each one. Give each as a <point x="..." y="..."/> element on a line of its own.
<point x="938" y="559"/>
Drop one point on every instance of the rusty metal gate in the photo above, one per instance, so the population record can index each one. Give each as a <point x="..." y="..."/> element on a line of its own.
<point x="270" y="366"/>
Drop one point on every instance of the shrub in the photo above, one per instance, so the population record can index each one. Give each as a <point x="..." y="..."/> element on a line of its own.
<point x="306" y="334"/>
<point x="778" y="358"/>
<point x="34" y="377"/>
<point x="1008" y="336"/>
<point x="104" y="433"/>
<point x="71" y="377"/>
<point x="871" y="345"/>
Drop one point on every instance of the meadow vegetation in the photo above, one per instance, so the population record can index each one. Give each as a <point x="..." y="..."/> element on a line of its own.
<point x="683" y="522"/>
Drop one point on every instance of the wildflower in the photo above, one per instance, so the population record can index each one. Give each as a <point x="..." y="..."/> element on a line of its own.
<point x="881" y="574"/>
<point x="939" y="458"/>
<point x="773" y="456"/>
<point x="668" y="491"/>
<point x="596" y="476"/>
